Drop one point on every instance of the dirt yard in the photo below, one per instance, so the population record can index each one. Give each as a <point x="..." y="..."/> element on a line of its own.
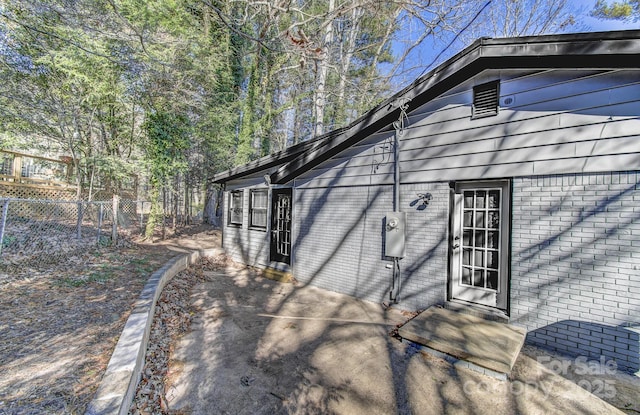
<point x="59" y="326"/>
<point x="60" y="323"/>
<point x="228" y="340"/>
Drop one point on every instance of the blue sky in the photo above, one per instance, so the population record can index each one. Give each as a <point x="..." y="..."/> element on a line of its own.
<point x="430" y="49"/>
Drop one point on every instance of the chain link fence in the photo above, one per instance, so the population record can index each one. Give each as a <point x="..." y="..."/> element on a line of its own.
<point x="35" y="232"/>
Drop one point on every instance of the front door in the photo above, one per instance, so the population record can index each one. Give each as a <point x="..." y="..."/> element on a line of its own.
<point x="480" y="243"/>
<point x="281" y="225"/>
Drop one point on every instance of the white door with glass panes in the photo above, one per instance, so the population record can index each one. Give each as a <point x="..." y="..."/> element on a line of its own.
<point x="480" y="243"/>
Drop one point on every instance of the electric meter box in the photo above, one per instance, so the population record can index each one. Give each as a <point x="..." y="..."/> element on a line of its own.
<point x="394" y="234"/>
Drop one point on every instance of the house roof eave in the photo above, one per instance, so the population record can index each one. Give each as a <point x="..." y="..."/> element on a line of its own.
<point x="598" y="50"/>
<point x="578" y="51"/>
<point x="266" y="162"/>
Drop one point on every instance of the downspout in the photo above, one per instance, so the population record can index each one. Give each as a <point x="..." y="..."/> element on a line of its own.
<point x="398" y="125"/>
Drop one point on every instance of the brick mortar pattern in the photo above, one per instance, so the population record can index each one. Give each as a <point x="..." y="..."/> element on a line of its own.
<point x="575" y="281"/>
<point x="339" y="242"/>
<point x="574" y="275"/>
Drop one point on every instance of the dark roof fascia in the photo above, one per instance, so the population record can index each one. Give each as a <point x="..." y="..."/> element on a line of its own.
<point x="255" y="166"/>
<point x="596" y="50"/>
<point x="266" y="162"/>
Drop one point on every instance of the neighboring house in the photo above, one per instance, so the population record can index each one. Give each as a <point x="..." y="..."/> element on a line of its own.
<point x="518" y="194"/>
<point x="28" y="176"/>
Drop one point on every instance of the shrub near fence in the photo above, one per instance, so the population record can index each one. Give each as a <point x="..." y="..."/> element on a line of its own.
<point x="40" y="231"/>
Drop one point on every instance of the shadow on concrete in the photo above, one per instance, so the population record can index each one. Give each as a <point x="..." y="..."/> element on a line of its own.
<point x="262" y="347"/>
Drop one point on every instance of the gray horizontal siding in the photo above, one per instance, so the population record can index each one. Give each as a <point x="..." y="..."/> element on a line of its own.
<point x="488" y="155"/>
<point x="345" y="181"/>
<point x="249" y="182"/>
<point x="450" y="109"/>
<point x="493" y="152"/>
<point x="241" y="243"/>
<point x="510" y="125"/>
<point x="560" y="122"/>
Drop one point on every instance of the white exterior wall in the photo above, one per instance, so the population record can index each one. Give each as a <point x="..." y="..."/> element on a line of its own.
<point x="576" y="263"/>
<point x="241" y="243"/>
<point x="570" y="144"/>
<point x="561" y="126"/>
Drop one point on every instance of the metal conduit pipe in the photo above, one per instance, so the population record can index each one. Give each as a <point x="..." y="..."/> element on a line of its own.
<point x="399" y="125"/>
<point x="395" y="283"/>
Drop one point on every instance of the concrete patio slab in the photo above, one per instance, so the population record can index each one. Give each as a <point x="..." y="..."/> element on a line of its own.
<point x="490" y="344"/>
<point x="257" y="346"/>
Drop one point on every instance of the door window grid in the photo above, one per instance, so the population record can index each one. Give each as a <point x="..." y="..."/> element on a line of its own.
<point x="283" y="226"/>
<point x="481" y="238"/>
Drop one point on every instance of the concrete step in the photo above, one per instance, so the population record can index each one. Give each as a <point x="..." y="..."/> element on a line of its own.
<point x="489" y="344"/>
<point x="278" y="271"/>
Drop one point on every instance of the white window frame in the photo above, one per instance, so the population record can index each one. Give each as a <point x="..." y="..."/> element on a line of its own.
<point x="253" y="208"/>
<point x="235" y="209"/>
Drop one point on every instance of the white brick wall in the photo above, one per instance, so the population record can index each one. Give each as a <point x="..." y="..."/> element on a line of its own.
<point x="575" y="260"/>
<point x="575" y="281"/>
<point x="339" y="242"/>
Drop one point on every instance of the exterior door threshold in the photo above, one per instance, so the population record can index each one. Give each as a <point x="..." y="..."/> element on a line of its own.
<point x="477" y="310"/>
<point x="279" y="271"/>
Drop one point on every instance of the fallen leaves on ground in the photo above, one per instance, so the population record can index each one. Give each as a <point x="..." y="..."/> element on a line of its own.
<point x="172" y="319"/>
<point x="60" y="320"/>
<point x="410" y="316"/>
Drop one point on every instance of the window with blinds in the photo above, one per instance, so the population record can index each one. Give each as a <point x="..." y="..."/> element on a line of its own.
<point x="486" y="99"/>
<point x="258" y="208"/>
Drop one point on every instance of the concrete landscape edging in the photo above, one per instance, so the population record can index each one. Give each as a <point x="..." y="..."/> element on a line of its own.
<point x="118" y="385"/>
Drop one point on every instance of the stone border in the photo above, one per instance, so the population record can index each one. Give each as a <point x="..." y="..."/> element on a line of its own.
<point x="118" y="386"/>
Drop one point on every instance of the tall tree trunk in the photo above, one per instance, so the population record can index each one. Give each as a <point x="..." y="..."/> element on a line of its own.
<point x="246" y="138"/>
<point x="371" y="74"/>
<point x="340" y="117"/>
<point x="176" y="201"/>
<point x="187" y="204"/>
<point x="209" y="216"/>
<point x="164" y="210"/>
<point x="320" y="95"/>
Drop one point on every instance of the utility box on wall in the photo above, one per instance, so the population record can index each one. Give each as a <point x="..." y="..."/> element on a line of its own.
<point x="394" y="232"/>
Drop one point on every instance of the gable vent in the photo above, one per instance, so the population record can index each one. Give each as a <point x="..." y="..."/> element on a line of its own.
<point x="485" y="99"/>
